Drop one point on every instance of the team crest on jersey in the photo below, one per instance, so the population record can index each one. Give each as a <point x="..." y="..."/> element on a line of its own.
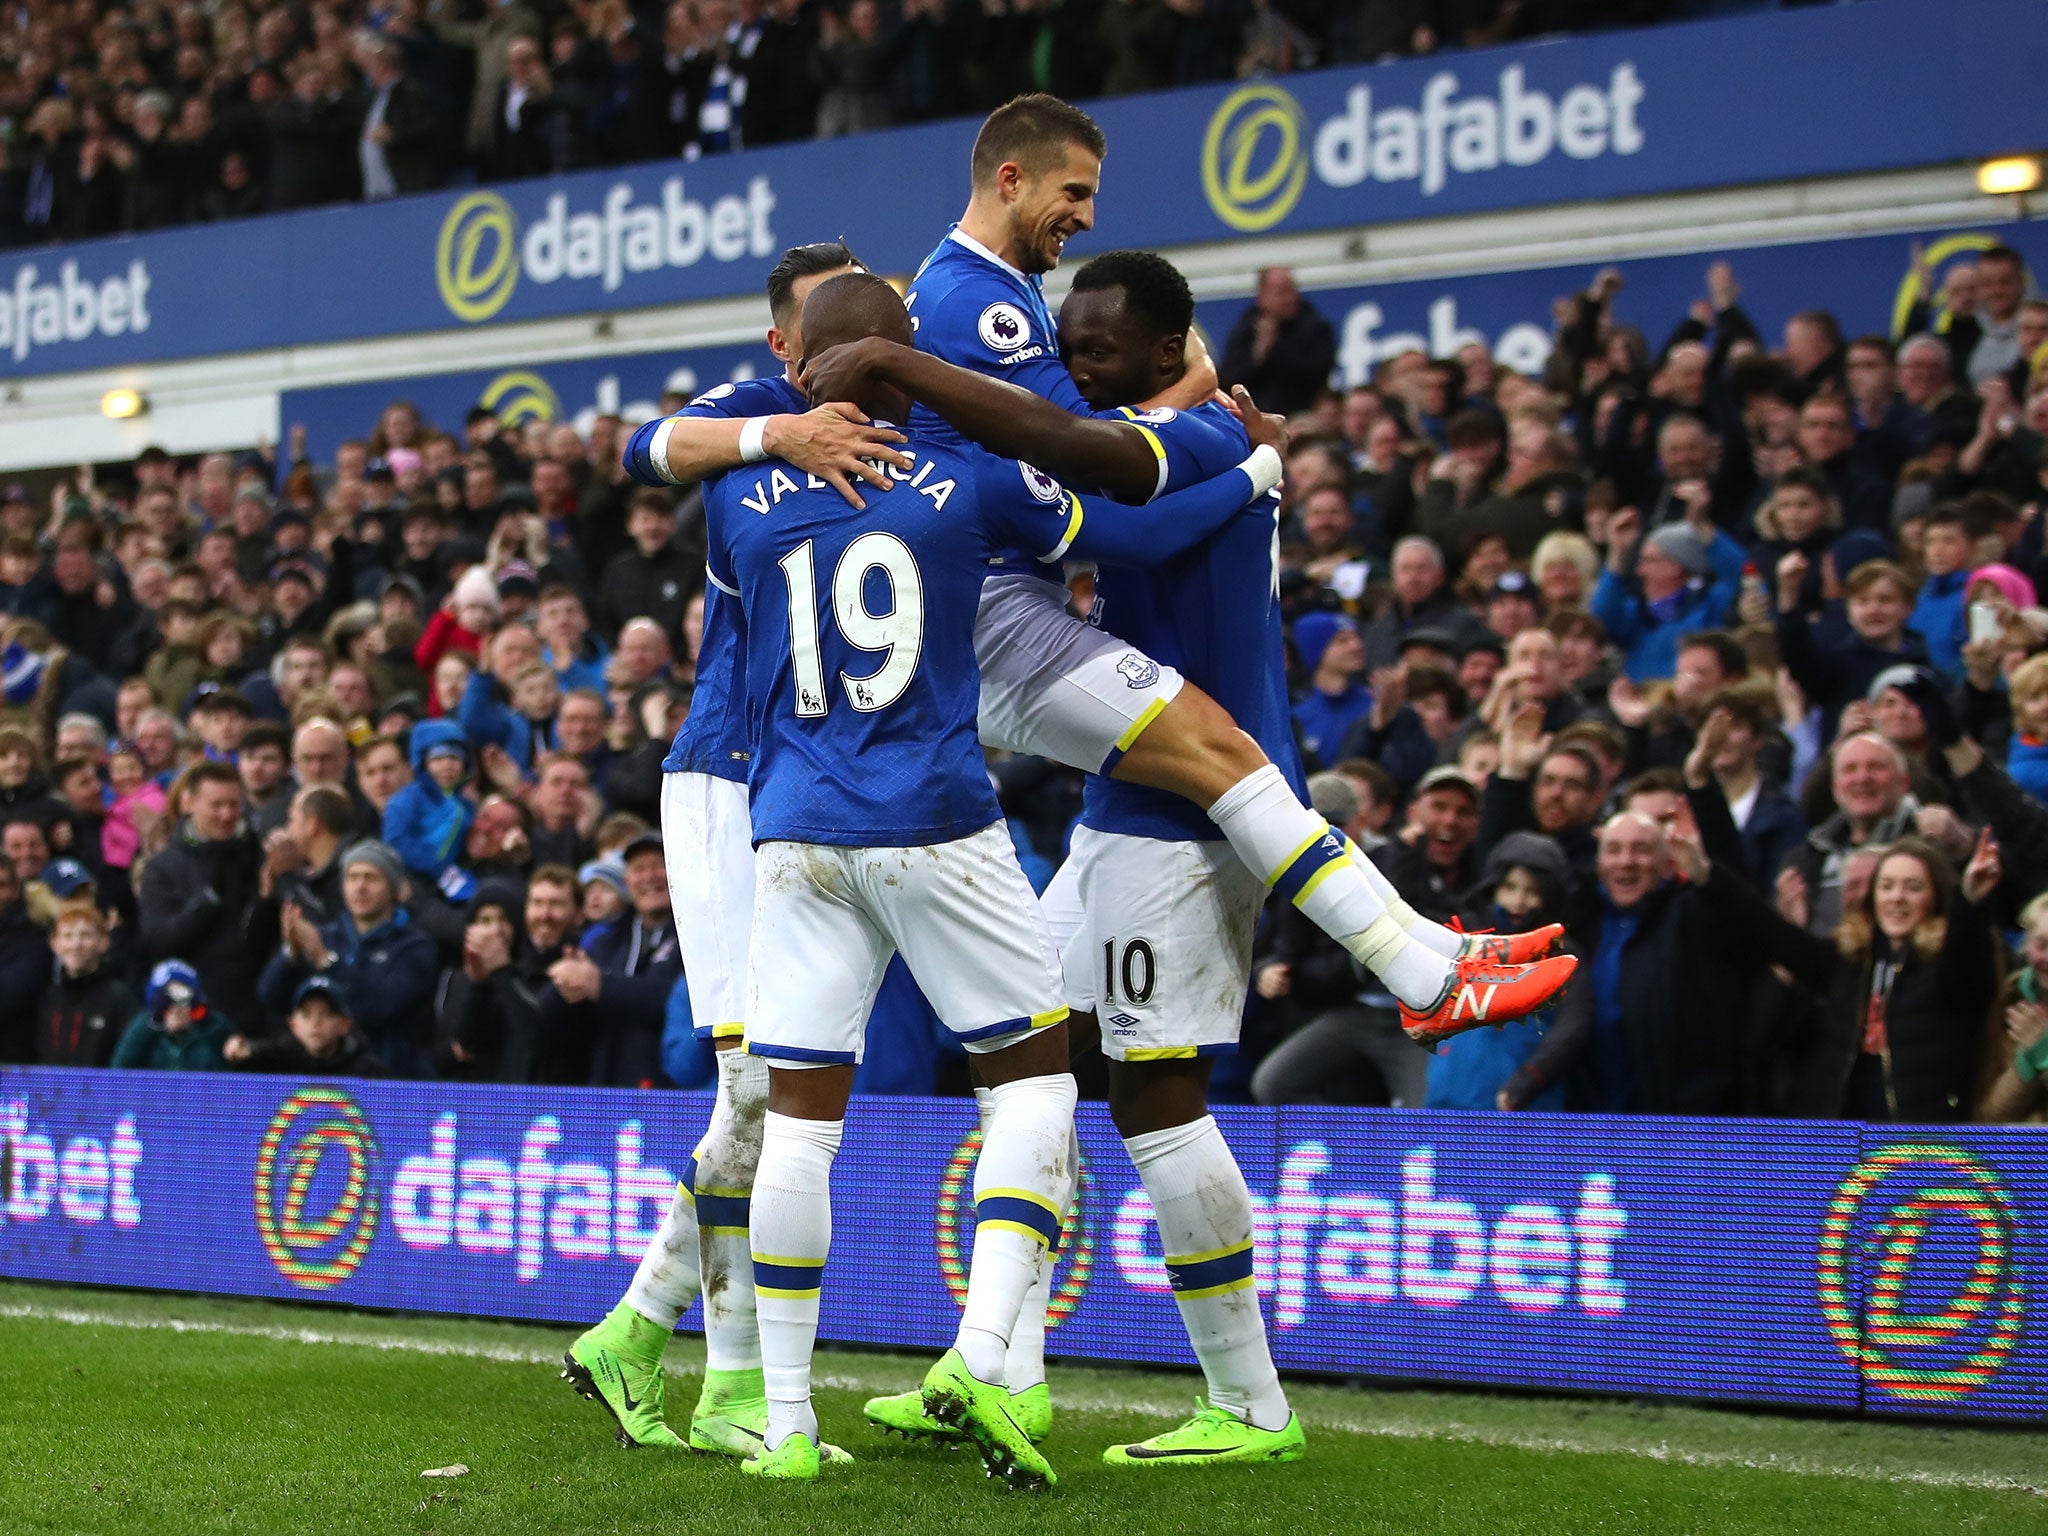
<point x="1040" y="484"/>
<point x="713" y="394"/>
<point x="1004" y="327"/>
<point x="1138" y="671"/>
<point x="1158" y="416"/>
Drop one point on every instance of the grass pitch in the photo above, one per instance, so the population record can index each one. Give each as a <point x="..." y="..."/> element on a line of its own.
<point x="125" y="1413"/>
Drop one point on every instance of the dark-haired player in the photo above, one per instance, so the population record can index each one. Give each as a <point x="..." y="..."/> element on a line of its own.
<point x="877" y="832"/>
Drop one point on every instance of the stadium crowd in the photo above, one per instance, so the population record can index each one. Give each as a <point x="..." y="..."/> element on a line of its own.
<point x="135" y="114"/>
<point x="1725" y="650"/>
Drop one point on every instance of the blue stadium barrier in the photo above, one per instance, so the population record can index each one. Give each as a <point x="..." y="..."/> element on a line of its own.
<point x="1864" y="280"/>
<point x="1890" y="1269"/>
<point x="1728" y="102"/>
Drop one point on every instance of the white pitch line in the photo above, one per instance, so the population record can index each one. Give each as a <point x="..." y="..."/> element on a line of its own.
<point x="1085" y="1404"/>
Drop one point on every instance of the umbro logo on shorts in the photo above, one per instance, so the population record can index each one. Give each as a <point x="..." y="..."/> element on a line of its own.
<point x="1125" y="1024"/>
<point x="1139" y="671"/>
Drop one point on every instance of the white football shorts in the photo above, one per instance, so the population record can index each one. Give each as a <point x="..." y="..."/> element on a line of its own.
<point x="1053" y="686"/>
<point x="826" y="921"/>
<point x="1158" y="942"/>
<point x="707" y="839"/>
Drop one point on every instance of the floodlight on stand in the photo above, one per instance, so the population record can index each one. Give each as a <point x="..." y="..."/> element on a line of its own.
<point x="2012" y="174"/>
<point x="121" y="404"/>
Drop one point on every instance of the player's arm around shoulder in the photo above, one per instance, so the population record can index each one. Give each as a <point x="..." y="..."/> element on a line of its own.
<point x="716" y="434"/>
<point x="1036" y="512"/>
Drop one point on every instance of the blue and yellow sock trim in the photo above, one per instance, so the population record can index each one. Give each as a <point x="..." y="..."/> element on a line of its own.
<point x="1023" y="1211"/>
<point x="791" y="1279"/>
<point x="1195" y="1275"/>
<point x="1309" y="866"/>
<point x="730" y="1029"/>
<point x="718" y="1210"/>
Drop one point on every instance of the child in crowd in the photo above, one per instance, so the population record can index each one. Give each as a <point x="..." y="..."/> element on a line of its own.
<point x="1835" y="667"/>
<point x="1941" y="611"/>
<point x="428" y="820"/>
<point x="87" y="1007"/>
<point x="322" y="1041"/>
<point x="1523" y="888"/>
<point x="134" y="805"/>
<point x="176" y="1031"/>
<point x="603" y="883"/>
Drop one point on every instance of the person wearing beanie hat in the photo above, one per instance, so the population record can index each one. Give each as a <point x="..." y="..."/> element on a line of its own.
<point x="603" y="883"/>
<point x="177" y="1029"/>
<point x="465" y="621"/>
<point x="1333" y="655"/>
<point x="1683" y="578"/>
<point x="373" y="951"/>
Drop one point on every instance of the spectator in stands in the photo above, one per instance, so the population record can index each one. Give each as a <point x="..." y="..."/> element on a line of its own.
<point x="198" y="896"/>
<point x="87" y="1007"/>
<point x="1730" y="794"/>
<point x="1334" y="658"/>
<point x="611" y="996"/>
<point x="492" y="1005"/>
<point x="372" y="951"/>
<point x="1421" y="600"/>
<point x="1835" y="665"/>
<point x="1874" y="806"/>
<point x="2016" y="1076"/>
<point x="1907" y="979"/>
<point x="319" y="1039"/>
<point x="654" y="579"/>
<point x="428" y="820"/>
<point x="397" y="146"/>
<point x="1683" y="577"/>
<point x="1281" y="349"/>
<point x="177" y="1030"/>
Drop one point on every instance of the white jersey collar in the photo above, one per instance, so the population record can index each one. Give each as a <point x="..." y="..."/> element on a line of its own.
<point x="960" y="236"/>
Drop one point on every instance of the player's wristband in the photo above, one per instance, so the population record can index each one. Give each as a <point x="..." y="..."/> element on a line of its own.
<point x="657" y="451"/>
<point x="752" y="437"/>
<point x="1264" y="467"/>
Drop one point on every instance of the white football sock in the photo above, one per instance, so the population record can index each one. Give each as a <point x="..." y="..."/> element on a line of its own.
<point x="1024" y="1364"/>
<point x="1204" y="1213"/>
<point x="1434" y="937"/>
<point x="791" y="1234"/>
<point x="1018" y="1181"/>
<point x="1303" y="859"/>
<point x="667" y="1280"/>
<point x="726" y="1160"/>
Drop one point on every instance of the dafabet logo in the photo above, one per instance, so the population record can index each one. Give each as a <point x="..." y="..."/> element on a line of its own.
<point x="482" y="254"/>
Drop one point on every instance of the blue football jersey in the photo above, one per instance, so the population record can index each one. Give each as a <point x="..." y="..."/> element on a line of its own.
<point x="858" y="627"/>
<point x="969" y="308"/>
<point x="717" y="738"/>
<point x="1212" y="613"/>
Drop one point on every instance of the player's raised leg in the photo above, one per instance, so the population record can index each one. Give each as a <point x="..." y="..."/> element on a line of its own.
<point x="1065" y="690"/>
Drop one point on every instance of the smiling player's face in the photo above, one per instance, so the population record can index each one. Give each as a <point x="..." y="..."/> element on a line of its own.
<point x="1052" y="207"/>
<point x="1107" y="356"/>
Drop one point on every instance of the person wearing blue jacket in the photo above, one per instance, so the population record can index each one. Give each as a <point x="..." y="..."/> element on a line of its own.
<point x="382" y="960"/>
<point x="429" y="818"/>
<point x="1656" y="590"/>
<point x="519" y="719"/>
<point x="1523" y="887"/>
<point x="1334" y="657"/>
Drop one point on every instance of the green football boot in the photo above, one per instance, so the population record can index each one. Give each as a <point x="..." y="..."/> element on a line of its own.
<point x="732" y="1414"/>
<point x="903" y="1414"/>
<point x="732" y="1418"/>
<point x="618" y="1363"/>
<point x="1211" y="1437"/>
<point x="795" y="1460"/>
<point x="982" y="1412"/>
